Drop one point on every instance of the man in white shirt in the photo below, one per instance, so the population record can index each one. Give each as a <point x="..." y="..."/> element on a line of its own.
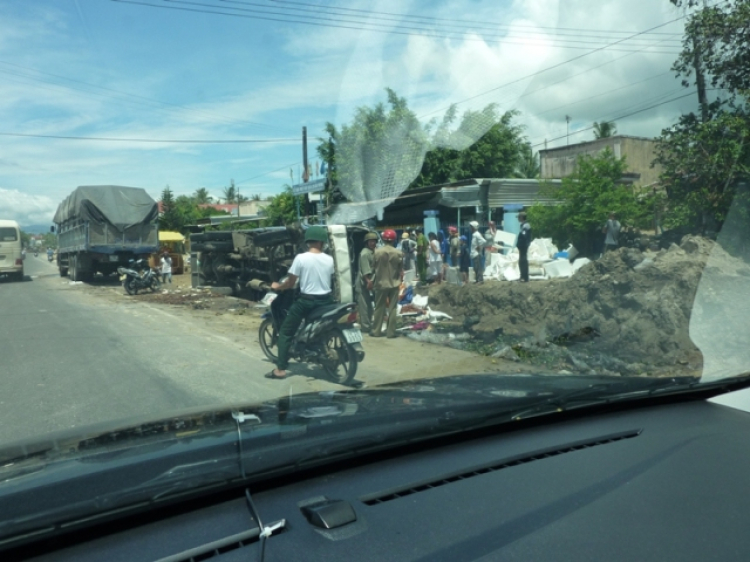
<point x="477" y="250"/>
<point x="314" y="269"/>
<point x="166" y="267"/>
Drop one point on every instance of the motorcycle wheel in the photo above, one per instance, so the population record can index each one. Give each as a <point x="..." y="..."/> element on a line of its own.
<point x="268" y="339"/>
<point x="129" y="286"/>
<point x="340" y="363"/>
<point x="154" y="285"/>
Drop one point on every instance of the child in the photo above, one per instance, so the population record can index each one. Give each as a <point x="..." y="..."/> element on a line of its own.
<point x="464" y="260"/>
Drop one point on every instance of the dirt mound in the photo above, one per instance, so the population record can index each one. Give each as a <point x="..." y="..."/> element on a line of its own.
<point x="635" y="306"/>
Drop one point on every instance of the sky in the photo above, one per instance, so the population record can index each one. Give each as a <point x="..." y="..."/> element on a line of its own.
<point x="197" y="93"/>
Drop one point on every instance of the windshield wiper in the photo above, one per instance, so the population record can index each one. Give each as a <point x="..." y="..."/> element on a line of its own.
<point x="600" y="394"/>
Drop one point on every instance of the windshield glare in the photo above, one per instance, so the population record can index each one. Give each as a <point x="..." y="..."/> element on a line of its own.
<point x="226" y="204"/>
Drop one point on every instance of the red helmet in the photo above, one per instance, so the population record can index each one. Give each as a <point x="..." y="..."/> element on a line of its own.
<point x="389" y="235"/>
<point x="452" y="229"/>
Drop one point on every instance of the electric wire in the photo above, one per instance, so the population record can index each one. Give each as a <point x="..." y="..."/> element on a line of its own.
<point x="166" y="141"/>
<point x="578" y="35"/>
<point x="201" y="8"/>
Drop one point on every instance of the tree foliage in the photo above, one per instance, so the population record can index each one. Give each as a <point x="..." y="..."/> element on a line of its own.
<point x="178" y="212"/>
<point x="586" y="199"/>
<point x="705" y="158"/>
<point x="281" y="209"/>
<point x="202" y="197"/>
<point x="702" y="165"/>
<point x="717" y="37"/>
<point x="485" y="144"/>
<point x="604" y="129"/>
<point x="528" y="166"/>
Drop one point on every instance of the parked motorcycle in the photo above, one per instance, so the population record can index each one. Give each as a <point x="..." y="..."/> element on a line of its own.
<point x="326" y="337"/>
<point x="139" y="276"/>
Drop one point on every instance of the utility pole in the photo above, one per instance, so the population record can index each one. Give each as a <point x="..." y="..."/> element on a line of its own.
<point x="567" y="129"/>
<point x="306" y="170"/>
<point x="700" y="82"/>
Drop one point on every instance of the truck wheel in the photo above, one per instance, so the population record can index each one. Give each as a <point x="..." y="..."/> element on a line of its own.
<point x="268" y="339"/>
<point x="73" y="263"/>
<point x="340" y="363"/>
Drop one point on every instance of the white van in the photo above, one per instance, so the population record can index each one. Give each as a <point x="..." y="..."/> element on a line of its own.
<point x="11" y="250"/>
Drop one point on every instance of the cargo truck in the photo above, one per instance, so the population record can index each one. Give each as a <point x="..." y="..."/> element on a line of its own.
<point x="102" y="227"/>
<point x="242" y="259"/>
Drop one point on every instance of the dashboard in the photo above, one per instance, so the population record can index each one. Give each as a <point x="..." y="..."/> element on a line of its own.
<point x="664" y="482"/>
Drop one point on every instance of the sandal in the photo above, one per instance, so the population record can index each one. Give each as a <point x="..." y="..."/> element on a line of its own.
<point x="271" y="375"/>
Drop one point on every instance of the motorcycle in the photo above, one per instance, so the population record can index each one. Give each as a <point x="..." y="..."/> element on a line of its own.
<point x="50" y="257"/>
<point x="326" y="337"/>
<point x="139" y="276"/>
<point x="36" y="254"/>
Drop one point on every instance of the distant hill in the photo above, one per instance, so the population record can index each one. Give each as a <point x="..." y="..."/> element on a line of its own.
<point x="36" y="228"/>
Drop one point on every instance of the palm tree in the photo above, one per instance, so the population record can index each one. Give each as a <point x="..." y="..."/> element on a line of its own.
<point x="528" y="163"/>
<point x="202" y="197"/>
<point x="604" y="129"/>
<point x="230" y="193"/>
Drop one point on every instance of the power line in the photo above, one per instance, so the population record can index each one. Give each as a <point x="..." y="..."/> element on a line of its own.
<point x="168" y="141"/>
<point x="380" y="29"/>
<point x="472" y="25"/>
<point x="432" y="18"/>
<point x="554" y="66"/>
<point x="619" y="118"/>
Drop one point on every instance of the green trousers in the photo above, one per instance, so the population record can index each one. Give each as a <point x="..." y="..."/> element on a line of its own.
<point x="385" y="298"/>
<point x="297" y="312"/>
<point x="422" y="268"/>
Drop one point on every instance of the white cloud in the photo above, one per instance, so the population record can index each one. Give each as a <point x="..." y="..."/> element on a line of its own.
<point x="25" y="208"/>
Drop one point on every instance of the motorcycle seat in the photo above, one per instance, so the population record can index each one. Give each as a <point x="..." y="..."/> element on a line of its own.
<point x="327" y="310"/>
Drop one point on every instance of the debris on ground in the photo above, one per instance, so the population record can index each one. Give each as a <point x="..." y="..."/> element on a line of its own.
<point x="625" y="313"/>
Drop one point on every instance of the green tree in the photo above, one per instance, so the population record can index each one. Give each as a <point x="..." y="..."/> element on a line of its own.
<point x="170" y="218"/>
<point x="702" y="164"/>
<point x="484" y="145"/>
<point x="705" y="157"/>
<point x="604" y="129"/>
<point x="230" y="193"/>
<point x="281" y="209"/>
<point x="380" y="151"/>
<point x="202" y="197"/>
<point x="585" y="200"/>
<point x="528" y="166"/>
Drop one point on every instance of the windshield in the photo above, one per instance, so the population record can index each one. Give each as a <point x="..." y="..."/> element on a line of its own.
<point x="232" y="205"/>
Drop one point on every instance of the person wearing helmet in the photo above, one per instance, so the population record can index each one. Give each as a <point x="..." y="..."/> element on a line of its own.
<point x="389" y="271"/>
<point x="364" y="282"/>
<point x="314" y="269"/>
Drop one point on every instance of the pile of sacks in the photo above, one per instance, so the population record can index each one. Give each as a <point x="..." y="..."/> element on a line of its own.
<point x="546" y="261"/>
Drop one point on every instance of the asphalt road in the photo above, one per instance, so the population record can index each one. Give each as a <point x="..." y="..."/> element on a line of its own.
<point x="69" y="360"/>
<point x="75" y="355"/>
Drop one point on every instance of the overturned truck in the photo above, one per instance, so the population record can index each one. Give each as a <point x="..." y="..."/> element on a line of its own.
<point x="243" y="259"/>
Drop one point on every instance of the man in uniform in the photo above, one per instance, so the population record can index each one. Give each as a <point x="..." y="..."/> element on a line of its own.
<point x="523" y="243"/>
<point x="388" y="266"/>
<point x="364" y="282"/>
<point x="422" y="247"/>
<point x="314" y="269"/>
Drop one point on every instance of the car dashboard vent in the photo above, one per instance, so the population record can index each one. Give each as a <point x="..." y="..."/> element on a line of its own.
<point x="216" y="548"/>
<point x="414" y="488"/>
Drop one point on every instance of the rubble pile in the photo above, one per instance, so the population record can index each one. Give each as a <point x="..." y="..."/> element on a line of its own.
<point x="628" y="309"/>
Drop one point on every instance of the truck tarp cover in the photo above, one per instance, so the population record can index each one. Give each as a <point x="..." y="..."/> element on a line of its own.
<point x="122" y="207"/>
